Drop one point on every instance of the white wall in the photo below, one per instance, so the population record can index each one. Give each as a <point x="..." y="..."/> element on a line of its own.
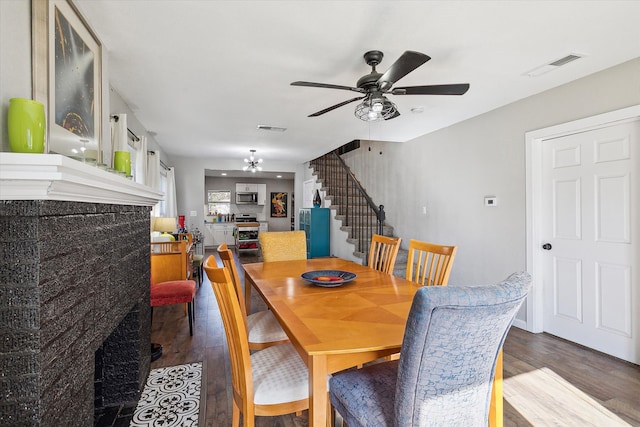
<point x="15" y="58"/>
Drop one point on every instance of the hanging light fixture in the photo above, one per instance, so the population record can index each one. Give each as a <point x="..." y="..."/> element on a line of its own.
<point x="251" y="163"/>
<point x="376" y="107"/>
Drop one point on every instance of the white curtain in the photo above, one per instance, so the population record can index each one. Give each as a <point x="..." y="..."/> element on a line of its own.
<point x="153" y="177"/>
<point x="118" y="132"/>
<point x="170" y="196"/>
<point x="140" y="148"/>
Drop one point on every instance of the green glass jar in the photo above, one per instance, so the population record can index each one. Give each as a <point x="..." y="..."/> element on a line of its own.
<point x="26" y="126"/>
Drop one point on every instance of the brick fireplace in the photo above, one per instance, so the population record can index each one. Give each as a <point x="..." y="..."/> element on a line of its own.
<point x="74" y="290"/>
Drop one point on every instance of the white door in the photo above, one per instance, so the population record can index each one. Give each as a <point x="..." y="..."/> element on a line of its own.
<point x="590" y="192"/>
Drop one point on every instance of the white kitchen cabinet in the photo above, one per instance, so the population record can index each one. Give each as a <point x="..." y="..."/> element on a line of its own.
<point x="247" y="188"/>
<point x="208" y="235"/>
<point x="223" y="233"/>
<point x="262" y="194"/>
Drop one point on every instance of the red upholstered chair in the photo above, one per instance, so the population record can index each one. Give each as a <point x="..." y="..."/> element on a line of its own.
<point x="175" y="292"/>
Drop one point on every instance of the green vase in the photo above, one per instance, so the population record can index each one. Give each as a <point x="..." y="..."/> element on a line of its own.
<point x="26" y="126"/>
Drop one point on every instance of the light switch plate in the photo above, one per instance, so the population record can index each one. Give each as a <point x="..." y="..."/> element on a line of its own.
<point x="194" y="213"/>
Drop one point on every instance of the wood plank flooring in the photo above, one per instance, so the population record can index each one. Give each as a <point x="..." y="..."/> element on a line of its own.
<point x="612" y="383"/>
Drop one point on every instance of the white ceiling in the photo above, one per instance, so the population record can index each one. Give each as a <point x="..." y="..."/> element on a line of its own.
<point x="201" y="75"/>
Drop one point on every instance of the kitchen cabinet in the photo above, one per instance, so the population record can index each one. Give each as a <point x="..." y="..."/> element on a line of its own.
<point x="246" y="188"/>
<point x="315" y="223"/>
<point x="223" y="233"/>
<point x="262" y="194"/>
<point x="208" y="235"/>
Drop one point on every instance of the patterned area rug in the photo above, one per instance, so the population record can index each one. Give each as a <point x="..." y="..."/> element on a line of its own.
<point x="171" y="397"/>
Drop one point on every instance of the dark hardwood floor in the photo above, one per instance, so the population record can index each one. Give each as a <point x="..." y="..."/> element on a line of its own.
<point x="612" y="383"/>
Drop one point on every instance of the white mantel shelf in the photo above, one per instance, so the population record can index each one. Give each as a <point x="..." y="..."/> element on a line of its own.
<point x="56" y="177"/>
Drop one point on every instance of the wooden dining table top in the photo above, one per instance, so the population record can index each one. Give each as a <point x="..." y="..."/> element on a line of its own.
<point x="365" y="314"/>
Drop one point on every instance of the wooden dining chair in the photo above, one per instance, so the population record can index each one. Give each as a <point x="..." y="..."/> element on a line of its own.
<point x="263" y="327"/>
<point x="429" y="264"/>
<point x="269" y="382"/>
<point x="383" y="252"/>
<point x="283" y="245"/>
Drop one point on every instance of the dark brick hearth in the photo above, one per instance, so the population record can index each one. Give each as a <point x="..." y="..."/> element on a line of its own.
<point x="72" y="277"/>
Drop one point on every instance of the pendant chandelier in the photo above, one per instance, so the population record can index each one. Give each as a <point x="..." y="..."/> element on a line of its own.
<point x="252" y="164"/>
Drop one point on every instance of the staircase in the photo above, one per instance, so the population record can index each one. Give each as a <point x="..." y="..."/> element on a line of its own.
<point x="360" y="216"/>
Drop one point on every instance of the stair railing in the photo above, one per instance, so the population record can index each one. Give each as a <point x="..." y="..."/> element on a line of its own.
<point x="358" y="208"/>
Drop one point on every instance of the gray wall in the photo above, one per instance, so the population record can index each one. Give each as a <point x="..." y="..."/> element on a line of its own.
<point x="451" y="171"/>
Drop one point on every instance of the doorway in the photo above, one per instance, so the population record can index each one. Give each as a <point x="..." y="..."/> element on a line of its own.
<point x="583" y="221"/>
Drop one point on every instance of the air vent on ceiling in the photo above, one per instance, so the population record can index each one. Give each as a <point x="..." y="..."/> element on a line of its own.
<point x="543" y="69"/>
<point x="271" y="128"/>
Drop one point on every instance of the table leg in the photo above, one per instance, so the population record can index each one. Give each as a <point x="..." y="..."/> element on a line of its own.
<point x="247" y="294"/>
<point x="496" y="410"/>
<point x="318" y="372"/>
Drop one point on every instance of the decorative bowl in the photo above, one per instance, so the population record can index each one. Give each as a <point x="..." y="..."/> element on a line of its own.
<point x="328" y="278"/>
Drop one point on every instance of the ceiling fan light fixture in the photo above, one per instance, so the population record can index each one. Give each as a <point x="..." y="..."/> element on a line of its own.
<point x="375" y="109"/>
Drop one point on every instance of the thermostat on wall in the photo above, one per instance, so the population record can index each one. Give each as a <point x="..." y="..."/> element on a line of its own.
<point x="490" y="201"/>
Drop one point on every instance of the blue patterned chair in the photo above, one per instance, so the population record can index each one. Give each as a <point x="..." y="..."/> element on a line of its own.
<point x="447" y="362"/>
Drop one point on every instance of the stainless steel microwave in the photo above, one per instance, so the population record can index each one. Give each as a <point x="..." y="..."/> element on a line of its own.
<point x="246" y="198"/>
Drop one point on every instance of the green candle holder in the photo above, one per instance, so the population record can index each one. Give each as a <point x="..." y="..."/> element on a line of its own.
<point x="26" y="126"/>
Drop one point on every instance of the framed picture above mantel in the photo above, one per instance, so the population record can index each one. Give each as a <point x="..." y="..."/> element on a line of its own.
<point x="67" y="78"/>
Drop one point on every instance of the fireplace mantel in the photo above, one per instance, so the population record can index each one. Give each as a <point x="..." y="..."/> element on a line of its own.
<point x="56" y="177"/>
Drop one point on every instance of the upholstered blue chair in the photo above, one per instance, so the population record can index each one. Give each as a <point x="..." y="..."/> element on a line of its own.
<point x="447" y="362"/>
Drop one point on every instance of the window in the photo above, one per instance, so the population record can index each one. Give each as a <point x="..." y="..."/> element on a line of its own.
<point x="219" y="202"/>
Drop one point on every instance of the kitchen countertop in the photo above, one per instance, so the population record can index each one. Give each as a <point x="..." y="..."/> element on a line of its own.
<point x="236" y="223"/>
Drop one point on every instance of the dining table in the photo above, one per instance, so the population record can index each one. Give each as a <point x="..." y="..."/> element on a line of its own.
<point x="336" y="326"/>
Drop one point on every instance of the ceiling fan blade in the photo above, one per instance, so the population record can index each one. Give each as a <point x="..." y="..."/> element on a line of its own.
<point x="396" y="114"/>
<point x="407" y="62"/>
<point x="326" y="85"/>
<point x="453" y="89"/>
<point x="326" y="110"/>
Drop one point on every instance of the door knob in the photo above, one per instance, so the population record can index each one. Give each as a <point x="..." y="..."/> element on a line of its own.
<point x="547" y="246"/>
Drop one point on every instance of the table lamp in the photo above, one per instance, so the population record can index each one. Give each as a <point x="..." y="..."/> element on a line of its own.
<point x="166" y="225"/>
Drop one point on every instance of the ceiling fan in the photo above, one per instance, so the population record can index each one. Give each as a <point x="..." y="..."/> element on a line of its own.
<point x="375" y="105"/>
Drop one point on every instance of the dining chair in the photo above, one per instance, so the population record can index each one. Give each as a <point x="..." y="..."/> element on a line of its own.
<point x="268" y="382"/>
<point x="383" y="252"/>
<point x="283" y="245"/>
<point x="174" y="292"/>
<point x="444" y="376"/>
<point x="429" y="264"/>
<point x="262" y="327"/>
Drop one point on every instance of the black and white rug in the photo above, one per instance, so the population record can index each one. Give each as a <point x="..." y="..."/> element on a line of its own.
<point x="171" y="397"/>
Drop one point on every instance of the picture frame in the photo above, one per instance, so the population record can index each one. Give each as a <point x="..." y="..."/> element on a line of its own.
<point x="67" y="79"/>
<point x="279" y="205"/>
